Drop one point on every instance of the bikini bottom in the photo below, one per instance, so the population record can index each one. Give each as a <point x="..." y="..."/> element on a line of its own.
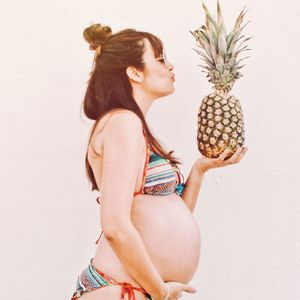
<point x="91" y="279"/>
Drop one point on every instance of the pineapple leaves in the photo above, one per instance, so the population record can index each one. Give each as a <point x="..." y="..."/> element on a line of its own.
<point x="205" y="67"/>
<point x="220" y="20"/>
<point x="236" y="65"/>
<point x="222" y="44"/>
<point x="241" y="50"/>
<point x="234" y="35"/>
<point x="204" y="43"/>
<point x="220" y="63"/>
<point x="209" y="18"/>
<point x="219" y="50"/>
<point x="205" y="58"/>
<point x="239" y="20"/>
<point x="242" y="42"/>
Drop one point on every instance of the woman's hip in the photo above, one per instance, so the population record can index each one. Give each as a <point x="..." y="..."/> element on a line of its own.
<point x="93" y="283"/>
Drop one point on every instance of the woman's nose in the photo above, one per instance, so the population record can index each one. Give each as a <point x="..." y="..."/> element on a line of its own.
<point x="169" y="66"/>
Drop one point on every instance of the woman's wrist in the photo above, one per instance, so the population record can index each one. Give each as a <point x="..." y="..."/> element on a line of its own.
<point x="162" y="294"/>
<point x="198" y="170"/>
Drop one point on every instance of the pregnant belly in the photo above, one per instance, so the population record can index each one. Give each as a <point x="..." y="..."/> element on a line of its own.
<point x="170" y="233"/>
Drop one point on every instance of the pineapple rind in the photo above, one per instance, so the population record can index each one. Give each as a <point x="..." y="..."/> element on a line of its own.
<point x="219" y="129"/>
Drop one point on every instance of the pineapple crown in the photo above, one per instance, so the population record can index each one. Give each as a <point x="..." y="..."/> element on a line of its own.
<point x="221" y="49"/>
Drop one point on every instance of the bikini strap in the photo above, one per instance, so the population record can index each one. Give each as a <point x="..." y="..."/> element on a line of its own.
<point x="144" y="172"/>
<point x="99" y="237"/>
<point x="128" y="289"/>
<point x="145" y="165"/>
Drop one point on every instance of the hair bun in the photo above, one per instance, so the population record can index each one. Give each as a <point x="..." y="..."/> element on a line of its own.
<point x="96" y="35"/>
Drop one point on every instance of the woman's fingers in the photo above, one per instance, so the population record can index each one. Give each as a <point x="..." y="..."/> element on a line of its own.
<point x="242" y="154"/>
<point x="239" y="154"/>
<point x="222" y="156"/>
<point x="189" y="289"/>
<point x="176" y="289"/>
<point x="205" y="163"/>
<point x="234" y="157"/>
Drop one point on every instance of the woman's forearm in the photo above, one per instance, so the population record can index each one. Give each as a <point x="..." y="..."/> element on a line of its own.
<point x="191" y="191"/>
<point x="130" y="249"/>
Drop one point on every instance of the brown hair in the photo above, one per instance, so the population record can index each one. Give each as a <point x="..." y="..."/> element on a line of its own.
<point x="109" y="86"/>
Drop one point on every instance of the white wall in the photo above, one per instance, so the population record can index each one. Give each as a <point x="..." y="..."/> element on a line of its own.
<point x="248" y="213"/>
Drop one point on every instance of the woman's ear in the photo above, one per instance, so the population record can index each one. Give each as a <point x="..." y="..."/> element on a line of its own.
<point x="134" y="74"/>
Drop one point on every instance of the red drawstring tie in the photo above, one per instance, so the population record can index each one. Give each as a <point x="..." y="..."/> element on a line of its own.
<point x="128" y="289"/>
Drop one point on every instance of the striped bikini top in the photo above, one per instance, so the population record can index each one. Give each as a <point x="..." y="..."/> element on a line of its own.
<point x="160" y="177"/>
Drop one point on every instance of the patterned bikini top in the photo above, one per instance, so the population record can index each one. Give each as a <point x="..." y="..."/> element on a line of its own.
<point x="160" y="177"/>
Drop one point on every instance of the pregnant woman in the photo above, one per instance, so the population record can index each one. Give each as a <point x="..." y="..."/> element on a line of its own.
<point x="149" y="247"/>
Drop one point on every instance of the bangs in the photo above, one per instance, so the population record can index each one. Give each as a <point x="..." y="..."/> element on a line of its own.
<point x="155" y="42"/>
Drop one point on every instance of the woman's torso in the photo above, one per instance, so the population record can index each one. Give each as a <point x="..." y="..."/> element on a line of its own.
<point x="166" y="225"/>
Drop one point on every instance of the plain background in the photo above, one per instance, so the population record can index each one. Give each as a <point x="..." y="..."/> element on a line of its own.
<point x="248" y="213"/>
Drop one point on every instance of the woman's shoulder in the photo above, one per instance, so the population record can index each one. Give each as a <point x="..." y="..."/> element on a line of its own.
<point x="119" y="120"/>
<point x="116" y="117"/>
<point x="120" y="125"/>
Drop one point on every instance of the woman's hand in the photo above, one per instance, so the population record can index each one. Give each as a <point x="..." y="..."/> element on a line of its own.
<point x="203" y="164"/>
<point x="175" y="290"/>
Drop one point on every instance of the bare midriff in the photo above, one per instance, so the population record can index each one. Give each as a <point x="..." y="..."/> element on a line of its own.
<point x="171" y="236"/>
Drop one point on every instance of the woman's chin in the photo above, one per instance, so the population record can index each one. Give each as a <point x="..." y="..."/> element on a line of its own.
<point x="168" y="92"/>
<point x="172" y="89"/>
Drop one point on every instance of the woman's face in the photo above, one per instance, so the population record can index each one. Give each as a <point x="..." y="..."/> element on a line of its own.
<point x="158" y="76"/>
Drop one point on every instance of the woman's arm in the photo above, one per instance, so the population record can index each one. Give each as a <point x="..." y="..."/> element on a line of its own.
<point x="123" y="149"/>
<point x="200" y="167"/>
<point x="193" y="184"/>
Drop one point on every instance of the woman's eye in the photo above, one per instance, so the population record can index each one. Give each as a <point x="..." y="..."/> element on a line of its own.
<point x="162" y="60"/>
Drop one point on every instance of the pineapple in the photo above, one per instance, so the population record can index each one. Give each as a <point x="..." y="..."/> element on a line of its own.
<point x="220" y="117"/>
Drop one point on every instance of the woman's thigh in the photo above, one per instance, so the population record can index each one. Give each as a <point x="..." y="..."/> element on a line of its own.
<point x="111" y="292"/>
